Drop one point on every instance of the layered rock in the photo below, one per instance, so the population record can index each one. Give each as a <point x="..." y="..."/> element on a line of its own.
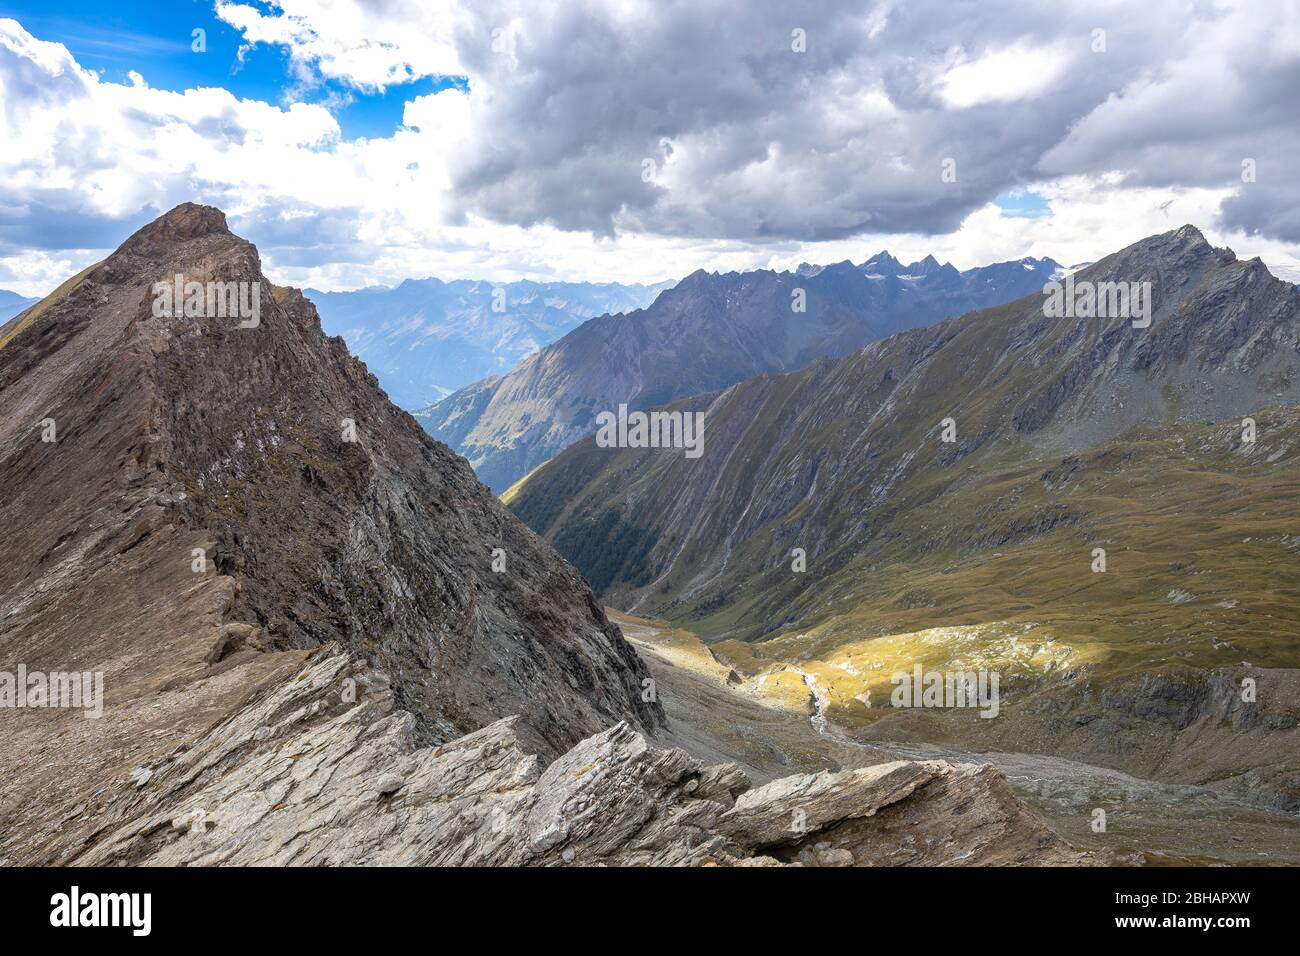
<point x="304" y="776"/>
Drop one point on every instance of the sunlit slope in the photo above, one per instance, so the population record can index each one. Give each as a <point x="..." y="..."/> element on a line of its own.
<point x="10" y="329"/>
<point x="1139" y="667"/>
<point x="1201" y="535"/>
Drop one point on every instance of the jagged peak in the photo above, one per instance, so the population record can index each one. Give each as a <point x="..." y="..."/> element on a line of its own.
<point x="1188" y="232"/>
<point x="882" y="257"/>
<point x="1184" y="238"/>
<point x="924" y="267"/>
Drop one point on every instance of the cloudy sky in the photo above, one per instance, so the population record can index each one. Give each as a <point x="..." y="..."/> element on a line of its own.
<point x="361" y="142"/>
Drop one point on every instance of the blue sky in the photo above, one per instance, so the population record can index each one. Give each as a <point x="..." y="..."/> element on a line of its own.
<point x="1023" y="204"/>
<point x="360" y="142"/>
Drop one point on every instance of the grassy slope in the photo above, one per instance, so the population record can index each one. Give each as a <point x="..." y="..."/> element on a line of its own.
<point x="10" y="330"/>
<point x="1202" y="536"/>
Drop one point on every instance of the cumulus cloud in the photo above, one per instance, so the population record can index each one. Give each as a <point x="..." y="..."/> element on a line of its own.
<point x="360" y="44"/>
<point x="636" y="139"/>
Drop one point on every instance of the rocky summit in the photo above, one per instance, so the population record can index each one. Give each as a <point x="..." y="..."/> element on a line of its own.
<point x="319" y="637"/>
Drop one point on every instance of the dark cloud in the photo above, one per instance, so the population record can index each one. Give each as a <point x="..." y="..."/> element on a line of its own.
<point x="850" y="136"/>
<point x="750" y="140"/>
<point x="58" y="219"/>
<point x="295" y="234"/>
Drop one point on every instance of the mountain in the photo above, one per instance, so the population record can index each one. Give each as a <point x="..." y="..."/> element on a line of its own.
<point x="254" y="614"/>
<point x="425" y="338"/>
<point x="1068" y="435"/>
<point x="188" y="516"/>
<point x="707" y="332"/>
<point x="11" y="303"/>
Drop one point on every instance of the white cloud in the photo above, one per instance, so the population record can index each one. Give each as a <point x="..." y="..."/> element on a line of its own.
<point x="1017" y="72"/>
<point x="354" y="42"/>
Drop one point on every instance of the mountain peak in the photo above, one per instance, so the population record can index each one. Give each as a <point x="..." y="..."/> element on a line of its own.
<point x="924" y="267"/>
<point x="882" y="258"/>
<point x="279" y="406"/>
<point x="186" y="222"/>
<point x="1181" y="248"/>
<point x="1186" y="238"/>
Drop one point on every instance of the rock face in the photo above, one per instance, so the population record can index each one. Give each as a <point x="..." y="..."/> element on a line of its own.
<point x="187" y="513"/>
<point x="708" y="332"/>
<point x="302" y="777"/>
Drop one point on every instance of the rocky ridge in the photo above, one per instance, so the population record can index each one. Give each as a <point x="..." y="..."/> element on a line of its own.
<point x="302" y="776"/>
<point x="200" y="518"/>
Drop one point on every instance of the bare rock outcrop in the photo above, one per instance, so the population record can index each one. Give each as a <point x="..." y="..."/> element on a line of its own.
<point x="322" y="769"/>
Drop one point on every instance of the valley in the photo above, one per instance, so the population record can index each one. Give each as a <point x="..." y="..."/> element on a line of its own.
<point x="1111" y="528"/>
<point x="1167" y="823"/>
<point x="303" y="607"/>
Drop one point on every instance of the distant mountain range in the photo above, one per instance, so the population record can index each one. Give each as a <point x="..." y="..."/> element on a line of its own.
<point x="425" y="338"/>
<point x="11" y="303"/>
<point x="709" y="331"/>
<point x="1106" y="513"/>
